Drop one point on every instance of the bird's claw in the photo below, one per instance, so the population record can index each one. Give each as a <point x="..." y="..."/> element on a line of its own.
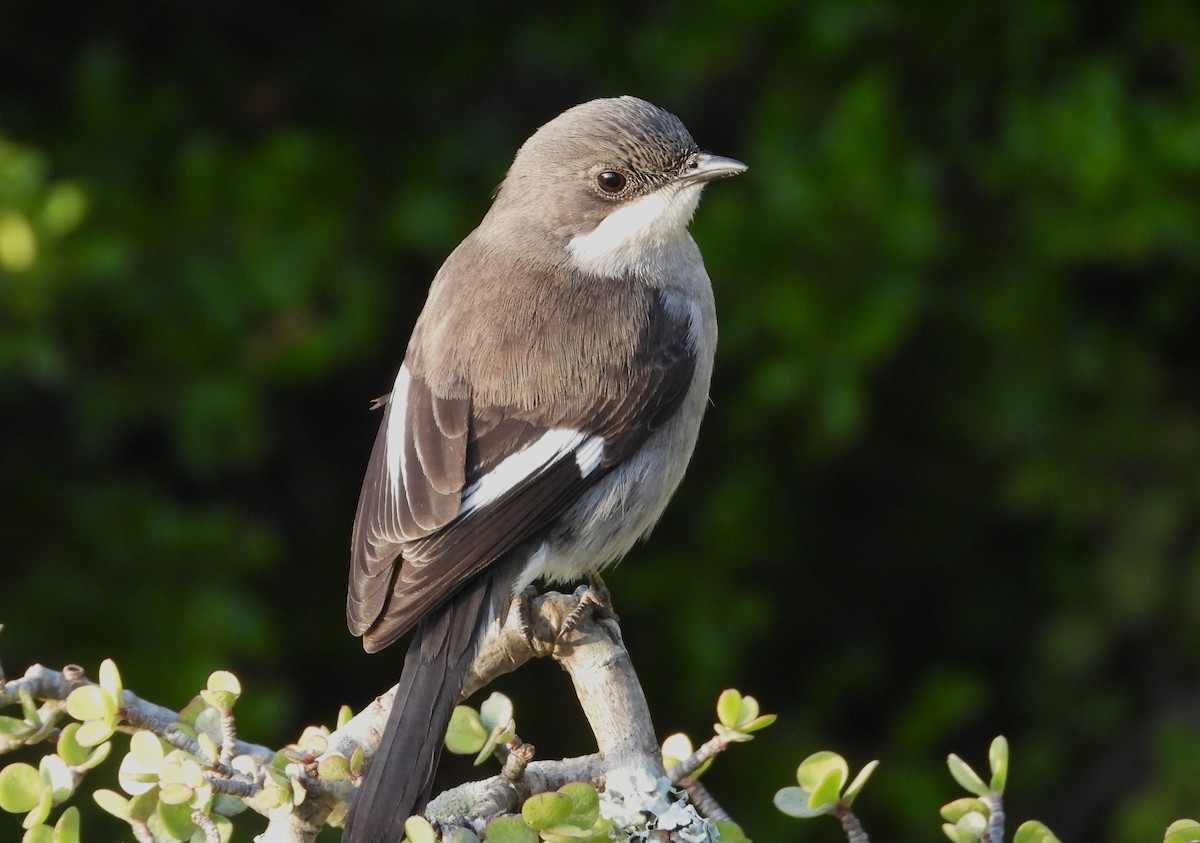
<point x="594" y="598"/>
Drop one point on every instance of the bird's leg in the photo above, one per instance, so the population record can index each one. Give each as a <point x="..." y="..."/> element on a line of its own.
<point x="524" y="602"/>
<point x="596" y="598"/>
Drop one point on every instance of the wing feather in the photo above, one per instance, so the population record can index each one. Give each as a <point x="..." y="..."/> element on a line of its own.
<point x="420" y="535"/>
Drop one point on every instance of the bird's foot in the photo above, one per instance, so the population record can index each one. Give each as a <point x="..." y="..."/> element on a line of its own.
<point x="524" y="602"/>
<point x="594" y="598"/>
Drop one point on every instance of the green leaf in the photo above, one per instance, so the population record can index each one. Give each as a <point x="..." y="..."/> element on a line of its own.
<point x="545" y="810"/>
<point x="113" y="803"/>
<point x="860" y="780"/>
<point x="827" y="790"/>
<point x="55" y="772"/>
<point x="38" y="834"/>
<point x="796" y="802"/>
<point x="143" y="806"/>
<point x="177" y="820"/>
<point x="95" y="732"/>
<point x="98" y="756"/>
<point x="147" y="748"/>
<point x="957" y="835"/>
<point x="1033" y="831"/>
<point x="676" y="748"/>
<point x="208" y="747"/>
<point x="40" y="811"/>
<point x="140" y="768"/>
<point x="998" y="761"/>
<point x="760" y="722"/>
<point x="29" y="707"/>
<point x="814" y="769"/>
<point x="967" y="778"/>
<point x="731" y="832"/>
<point x="747" y="711"/>
<point x="585" y="804"/>
<point x="110" y="681"/>
<point x="175" y="793"/>
<point x="954" y="811"/>
<point x="66" y="830"/>
<point x="969" y="827"/>
<point x="68" y="748"/>
<point x="466" y="733"/>
<point x="21" y="788"/>
<point x="15" y="728"/>
<point x="334" y="767"/>
<point x="496" y="712"/>
<point x="729" y="707"/>
<point x="458" y="834"/>
<point x="418" y="830"/>
<point x="223" y="690"/>
<point x="345" y="715"/>
<point x="510" y="830"/>
<point x="90" y="702"/>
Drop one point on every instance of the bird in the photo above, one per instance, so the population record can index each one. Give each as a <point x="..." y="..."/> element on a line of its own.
<point x="547" y="406"/>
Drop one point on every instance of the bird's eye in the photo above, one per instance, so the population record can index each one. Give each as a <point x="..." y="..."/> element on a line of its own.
<point x="610" y="181"/>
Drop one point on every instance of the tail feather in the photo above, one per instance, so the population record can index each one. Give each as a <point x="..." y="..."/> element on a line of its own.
<point x="399" y="780"/>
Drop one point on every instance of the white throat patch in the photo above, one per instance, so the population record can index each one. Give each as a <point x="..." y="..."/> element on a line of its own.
<point x="637" y="235"/>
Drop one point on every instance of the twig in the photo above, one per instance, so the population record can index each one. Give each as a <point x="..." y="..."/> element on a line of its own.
<point x="850" y="825"/>
<point x="711" y="748"/>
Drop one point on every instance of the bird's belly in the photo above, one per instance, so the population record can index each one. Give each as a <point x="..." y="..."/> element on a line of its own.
<point x="610" y="518"/>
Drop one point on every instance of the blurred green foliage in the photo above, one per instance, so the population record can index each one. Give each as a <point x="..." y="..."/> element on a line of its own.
<point x="948" y="486"/>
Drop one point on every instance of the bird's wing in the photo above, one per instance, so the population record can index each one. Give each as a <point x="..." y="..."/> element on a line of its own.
<point x="451" y="485"/>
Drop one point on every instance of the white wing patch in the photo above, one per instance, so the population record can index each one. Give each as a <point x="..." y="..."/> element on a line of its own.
<point x="397" y="411"/>
<point x="588" y="455"/>
<point x="553" y="446"/>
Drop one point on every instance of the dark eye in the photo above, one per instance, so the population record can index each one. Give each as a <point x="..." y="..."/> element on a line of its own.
<point x="610" y="181"/>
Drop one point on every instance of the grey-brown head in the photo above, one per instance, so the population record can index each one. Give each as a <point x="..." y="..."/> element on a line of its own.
<point x="610" y="184"/>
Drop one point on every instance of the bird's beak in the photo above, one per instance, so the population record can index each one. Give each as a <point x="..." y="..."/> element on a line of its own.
<point x="706" y="167"/>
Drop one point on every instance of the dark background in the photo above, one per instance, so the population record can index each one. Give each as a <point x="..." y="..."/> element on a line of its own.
<point x="949" y="484"/>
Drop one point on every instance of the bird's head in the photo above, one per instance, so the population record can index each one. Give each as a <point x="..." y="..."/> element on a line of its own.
<point x="611" y="184"/>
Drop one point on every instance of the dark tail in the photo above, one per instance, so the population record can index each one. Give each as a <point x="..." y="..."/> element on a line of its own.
<point x="398" y="782"/>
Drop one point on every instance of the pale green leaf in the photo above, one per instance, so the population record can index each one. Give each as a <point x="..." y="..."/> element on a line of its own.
<point x="860" y="780"/>
<point x="20" y="788"/>
<point x="68" y="747"/>
<point x="466" y="734"/>
<point x="998" y="761"/>
<point x="55" y="772"/>
<point x="110" y="681"/>
<point x="510" y="830"/>
<point x="176" y="819"/>
<point x="90" y="702"/>
<point x="967" y="778"/>
<point x="38" y="834"/>
<point x="1033" y="831"/>
<point x="676" y="748"/>
<point x="813" y="769"/>
<point x="496" y="712"/>
<point x="40" y="811"/>
<point x="66" y="830"/>
<point x="729" y="706"/>
<point x="95" y="732"/>
<point x="545" y="810"/>
<point x="418" y="830"/>
<point x="794" y="801"/>
<point x="113" y="802"/>
<point x="954" y="811"/>
<point x="827" y="789"/>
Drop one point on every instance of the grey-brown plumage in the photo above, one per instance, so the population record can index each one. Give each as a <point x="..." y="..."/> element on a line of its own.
<point x="544" y="414"/>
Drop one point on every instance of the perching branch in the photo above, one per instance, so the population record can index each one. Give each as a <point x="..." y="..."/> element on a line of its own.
<point x="591" y="652"/>
<point x="47" y="684"/>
